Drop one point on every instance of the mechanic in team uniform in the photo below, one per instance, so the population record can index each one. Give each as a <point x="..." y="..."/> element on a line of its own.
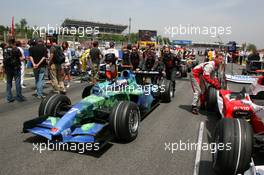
<point x="111" y="56"/>
<point x="203" y="71"/>
<point x="171" y="65"/>
<point x="135" y="58"/>
<point x="149" y="56"/>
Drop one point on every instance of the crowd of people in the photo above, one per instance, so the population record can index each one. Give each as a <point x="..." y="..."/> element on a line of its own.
<point x="47" y="58"/>
<point x="240" y="56"/>
<point x="56" y="62"/>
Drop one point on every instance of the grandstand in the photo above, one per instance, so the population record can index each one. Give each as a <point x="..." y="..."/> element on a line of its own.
<point x="104" y="28"/>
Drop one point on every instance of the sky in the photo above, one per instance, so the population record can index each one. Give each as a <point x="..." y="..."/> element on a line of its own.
<point x="243" y="16"/>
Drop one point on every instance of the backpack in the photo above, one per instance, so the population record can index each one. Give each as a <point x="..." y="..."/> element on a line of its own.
<point x="110" y="58"/>
<point x="135" y="59"/>
<point x="9" y="61"/>
<point x="126" y="57"/>
<point x="59" y="55"/>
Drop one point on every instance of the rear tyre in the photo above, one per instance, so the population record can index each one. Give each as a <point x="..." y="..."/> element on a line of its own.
<point x="166" y="90"/>
<point x="124" y="121"/>
<point x="184" y="71"/>
<point x="54" y="105"/>
<point x="237" y="137"/>
<point x="211" y="99"/>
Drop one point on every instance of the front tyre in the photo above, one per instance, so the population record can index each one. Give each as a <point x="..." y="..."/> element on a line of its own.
<point x="124" y="121"/>
<point x="54" y="105"/>
<point x="237" y="137"/>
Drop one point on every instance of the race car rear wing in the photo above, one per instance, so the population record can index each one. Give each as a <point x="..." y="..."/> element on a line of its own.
<point x="148" y="73"/>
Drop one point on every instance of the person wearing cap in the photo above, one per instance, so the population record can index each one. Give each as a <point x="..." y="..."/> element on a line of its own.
<point x="38" y="55"/>
<point x="111" y="56"/>
<point x="204" y="71"/>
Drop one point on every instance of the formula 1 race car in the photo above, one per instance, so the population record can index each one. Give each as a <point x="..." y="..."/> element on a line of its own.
<point x="110" y="109"/>
<point x="242" y="127"/>
<point x="252" y="67"/>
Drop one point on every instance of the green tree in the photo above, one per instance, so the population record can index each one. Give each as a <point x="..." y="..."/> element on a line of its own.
<point x="23" y="23"/>
<point x="243" y="46"/>
<point x="2" y="29"/>
<point x="133" y="38"/>
<point x="166" y="40"/>
<point x="21" y="27"/>
<point x="159" y="39"/>
<point x="17" y="26"/>
<point x="252" y="47"/>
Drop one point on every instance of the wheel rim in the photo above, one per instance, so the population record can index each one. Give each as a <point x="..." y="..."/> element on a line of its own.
<point x="178" y="74"/>
<point x="133" y="121"/>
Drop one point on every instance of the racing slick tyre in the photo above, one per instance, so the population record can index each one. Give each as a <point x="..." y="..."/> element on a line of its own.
<point x="43" y="103"/>
<point x="234" y="143"/>
<point x="211" y="99"/>
<point x="124" y="121"/>
<point x="87" y="91"/>
<point x="166" y="90"/>
<point x="54" y="105"/>
<point x="184" y="70"/>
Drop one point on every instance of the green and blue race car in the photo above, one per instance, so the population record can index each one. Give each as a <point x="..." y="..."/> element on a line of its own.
<point x="108" y="109"/>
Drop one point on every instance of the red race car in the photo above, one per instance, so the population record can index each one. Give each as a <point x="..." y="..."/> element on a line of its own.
<point x="241" y="128"/>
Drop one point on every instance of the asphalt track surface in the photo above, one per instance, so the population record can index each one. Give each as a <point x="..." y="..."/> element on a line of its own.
<point x="169" y="123"/>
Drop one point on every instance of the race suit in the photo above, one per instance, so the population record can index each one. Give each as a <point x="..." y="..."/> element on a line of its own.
<point x="111" y="55"/>
<point x="202" y="72"/>
<point x="150" y="58"/>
